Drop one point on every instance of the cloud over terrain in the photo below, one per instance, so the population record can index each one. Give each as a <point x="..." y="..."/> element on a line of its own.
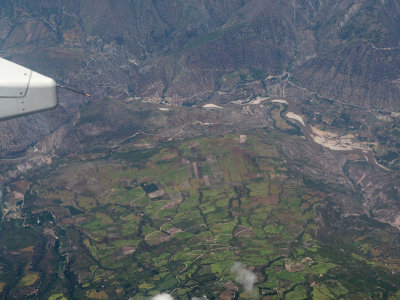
<point x="162" y="297"/>
<point x="244" y="276"/>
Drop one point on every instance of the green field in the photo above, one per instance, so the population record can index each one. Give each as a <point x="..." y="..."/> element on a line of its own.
<point x="114" y="240"/>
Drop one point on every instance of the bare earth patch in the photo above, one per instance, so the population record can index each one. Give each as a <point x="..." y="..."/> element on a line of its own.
<point x="292" y="115"/>
<point x="128" y="250"/>
<point x="280" y="101"/>
<point x="335" y="142"/>
<point x="212" y="106"/>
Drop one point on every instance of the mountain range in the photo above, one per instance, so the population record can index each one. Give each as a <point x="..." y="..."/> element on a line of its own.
<point x="183" y="52"/>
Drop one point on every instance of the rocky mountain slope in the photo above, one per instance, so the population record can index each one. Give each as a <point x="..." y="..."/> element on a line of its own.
<point x="191" y="51"/>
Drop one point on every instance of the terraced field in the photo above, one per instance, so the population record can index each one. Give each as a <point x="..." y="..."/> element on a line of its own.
<point x="176" y="218"/>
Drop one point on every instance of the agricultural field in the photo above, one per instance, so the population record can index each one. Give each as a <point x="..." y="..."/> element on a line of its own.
<point x="177" y="217"/>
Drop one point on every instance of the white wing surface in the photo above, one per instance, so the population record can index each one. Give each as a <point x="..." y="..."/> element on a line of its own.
<point x="23" y="91"/>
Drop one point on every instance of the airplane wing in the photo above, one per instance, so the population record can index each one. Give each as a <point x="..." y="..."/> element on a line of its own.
<point x="23" y="91"/>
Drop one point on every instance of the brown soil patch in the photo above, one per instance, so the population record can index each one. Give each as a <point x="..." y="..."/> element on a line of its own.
<point x="171" y="205"/>
<point x="353" y="156"/>
<point x="193" y="144"/>
<point x="227" y="295"/>
<point x="304" y="206"/>
<point x="60" y="213"/>
<point x="206" y="180"/>
<point x="22" y="185"/>
<point x="168" y="156"/>
<point x="80" y="220"/>
<point x="156" y="194"/>
<point x="236" y="213"/>
<point x="294" y="267"/>
<point x="271" y="200"/>
<point x="161" y="238"/>
<point x="174" y="230"/>
<point x="376" y="252"/>
<point x="128" y="250"/>
<point x="67" y="221"/>
<point x="113" y="235"/>
<point x="235" y="203"/>
<point x="27" y="249"/>
<point x="255" y="202"/>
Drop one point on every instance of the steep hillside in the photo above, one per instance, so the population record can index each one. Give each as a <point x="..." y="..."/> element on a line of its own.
<point x="358" y="54"/>
<point x="151" y="49"/>
<point x="186" y="51"/>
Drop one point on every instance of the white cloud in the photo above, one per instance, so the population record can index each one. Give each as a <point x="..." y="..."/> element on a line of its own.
<point x="162" y="297"/>
<point x="244" y="276"/>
